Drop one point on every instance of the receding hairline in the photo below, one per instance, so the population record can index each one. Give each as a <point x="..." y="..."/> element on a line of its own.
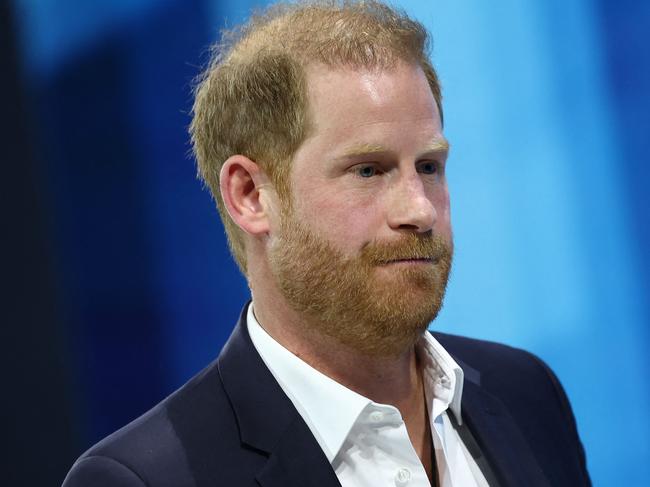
<point x="251" y="98"/>
<point x="293" y="22"/>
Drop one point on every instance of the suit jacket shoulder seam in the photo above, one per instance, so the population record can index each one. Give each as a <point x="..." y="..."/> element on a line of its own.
<point x="114" y="460"/>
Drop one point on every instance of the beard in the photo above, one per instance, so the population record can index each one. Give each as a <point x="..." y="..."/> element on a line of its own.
<point x="375" y="311"/>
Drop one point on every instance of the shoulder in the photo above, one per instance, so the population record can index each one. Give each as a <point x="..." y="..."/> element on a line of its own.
<point x="517" y="377"/>
<point x="511" y="381"/>
<point x="479" y="350"/>
<point x="496" y="361"/>
<point x="522" y="381"/>
<point x="168" y="445"/>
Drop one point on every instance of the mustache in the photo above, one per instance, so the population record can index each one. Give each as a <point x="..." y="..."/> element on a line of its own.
<point x="411" y="246"/>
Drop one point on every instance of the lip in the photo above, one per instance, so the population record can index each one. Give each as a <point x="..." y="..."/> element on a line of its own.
<point x="414" y="261"/>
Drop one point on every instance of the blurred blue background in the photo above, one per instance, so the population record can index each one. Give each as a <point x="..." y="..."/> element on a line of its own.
<point x="119" y="285"/>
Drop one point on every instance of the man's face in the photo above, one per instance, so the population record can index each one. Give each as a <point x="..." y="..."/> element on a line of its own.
<point x="364" y="247"/>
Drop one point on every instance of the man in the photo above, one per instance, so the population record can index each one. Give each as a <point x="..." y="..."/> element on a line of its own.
<point x="318" y="129"/>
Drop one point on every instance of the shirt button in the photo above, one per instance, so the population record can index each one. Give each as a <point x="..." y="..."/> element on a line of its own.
<point x="402" y="476"/>
<point x="376" y="416"/>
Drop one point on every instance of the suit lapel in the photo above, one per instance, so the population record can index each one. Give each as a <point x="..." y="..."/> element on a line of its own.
<point x="267" y="419"/>
<point x="291" y="463"/>
<point x="499" y="438"/>
<point x="269" y="423"/>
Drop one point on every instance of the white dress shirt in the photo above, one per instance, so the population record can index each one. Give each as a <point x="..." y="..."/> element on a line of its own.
<point x="366" y="442"/>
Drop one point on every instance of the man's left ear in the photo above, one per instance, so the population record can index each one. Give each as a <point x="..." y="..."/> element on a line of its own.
<point x="243" y="185"/>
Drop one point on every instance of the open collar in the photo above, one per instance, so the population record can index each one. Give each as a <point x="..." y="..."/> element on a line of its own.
<point x="499" y="438"/>
<point x="330" y="409"/>
<point x="313" y="393"/>
<point x="267" y="420"/>
<point x="269" y="423"/>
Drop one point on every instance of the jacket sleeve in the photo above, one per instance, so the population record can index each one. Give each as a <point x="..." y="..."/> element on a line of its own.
<point x="101" y="471"/>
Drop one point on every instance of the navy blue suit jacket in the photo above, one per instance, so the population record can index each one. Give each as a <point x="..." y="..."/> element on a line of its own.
<point x="232" y="425"/>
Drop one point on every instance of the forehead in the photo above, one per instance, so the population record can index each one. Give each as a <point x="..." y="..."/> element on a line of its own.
<point x="349" y="103"/>
<point x="342" y="87"/>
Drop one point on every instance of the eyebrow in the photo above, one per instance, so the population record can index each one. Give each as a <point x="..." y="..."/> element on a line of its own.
<point x="437" y="145"/>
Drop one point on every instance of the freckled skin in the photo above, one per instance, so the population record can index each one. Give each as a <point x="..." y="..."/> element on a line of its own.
<point x="371" y="175"/>
<point x="394" y="109"/>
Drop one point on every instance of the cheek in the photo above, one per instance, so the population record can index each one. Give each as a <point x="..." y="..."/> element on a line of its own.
<point x="443" y="210"/>
<point x="347" y="220"/>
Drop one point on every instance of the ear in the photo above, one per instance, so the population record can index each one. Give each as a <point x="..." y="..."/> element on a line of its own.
<point x="241" y="181"/>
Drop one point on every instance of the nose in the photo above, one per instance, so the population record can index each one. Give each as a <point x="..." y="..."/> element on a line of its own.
<point x="410" y="208"/>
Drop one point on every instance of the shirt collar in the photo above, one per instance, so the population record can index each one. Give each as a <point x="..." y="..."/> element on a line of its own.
<point x="443" y="377"/>
<point x="331" y="409"/>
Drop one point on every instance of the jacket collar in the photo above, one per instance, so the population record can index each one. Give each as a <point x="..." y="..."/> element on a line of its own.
<point x="267" y="420"/>
<point x="501" y="442"/>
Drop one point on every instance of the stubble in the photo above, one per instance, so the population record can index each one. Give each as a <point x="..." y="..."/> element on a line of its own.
<point x="369" y="302"/>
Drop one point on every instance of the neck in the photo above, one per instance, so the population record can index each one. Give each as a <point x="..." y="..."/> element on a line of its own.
<point x="393" y="379"/>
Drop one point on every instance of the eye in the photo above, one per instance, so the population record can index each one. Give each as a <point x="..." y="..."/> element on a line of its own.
<point x="366" y="171"/>
<point x="429" y="167"/>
